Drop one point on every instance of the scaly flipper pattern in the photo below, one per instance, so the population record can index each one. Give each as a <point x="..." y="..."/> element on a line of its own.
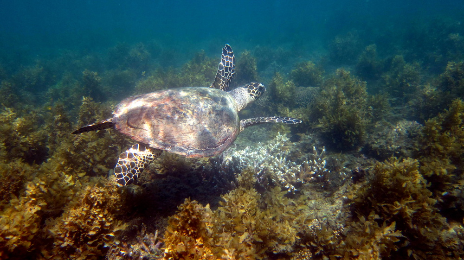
<point x="273" y="119"/>
<point x="132" y="162"/>
<point x="226" y="69"/>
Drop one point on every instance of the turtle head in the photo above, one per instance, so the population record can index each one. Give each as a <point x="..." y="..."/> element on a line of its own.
<point x="255" y="89"/>
<point x="247" y="94"/>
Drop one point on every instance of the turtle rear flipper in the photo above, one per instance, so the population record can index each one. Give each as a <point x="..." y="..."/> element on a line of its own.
<point x="226" y="69"/>
<point x="105" y="124"/>
<point x="272" y="119"/>
<point x="132" y="162"/>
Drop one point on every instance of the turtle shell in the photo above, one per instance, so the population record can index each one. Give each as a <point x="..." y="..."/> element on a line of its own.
<point x="194" y="122"/>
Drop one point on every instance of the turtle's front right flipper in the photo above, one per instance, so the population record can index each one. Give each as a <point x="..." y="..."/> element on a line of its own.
<point x="132" y="162"/>
<point x="272" y="119"/>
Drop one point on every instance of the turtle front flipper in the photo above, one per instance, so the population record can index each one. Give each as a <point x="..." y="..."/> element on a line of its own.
<point x="273" y="119"/>
<point x="226" y="69"/>
<point x="132" y="162"/>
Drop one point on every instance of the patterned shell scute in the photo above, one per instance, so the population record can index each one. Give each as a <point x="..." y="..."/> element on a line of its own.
<point x="194" y="122"/>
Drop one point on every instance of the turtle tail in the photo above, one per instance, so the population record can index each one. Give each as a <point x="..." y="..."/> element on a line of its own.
<point x="105" y="124"/>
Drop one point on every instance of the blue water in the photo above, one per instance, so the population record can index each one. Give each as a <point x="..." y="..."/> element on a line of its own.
<point x="35" y="28"/>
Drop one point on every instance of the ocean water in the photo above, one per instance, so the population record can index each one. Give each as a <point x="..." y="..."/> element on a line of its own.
<point x="34" y="29"/>
<point x="374" y="171"/>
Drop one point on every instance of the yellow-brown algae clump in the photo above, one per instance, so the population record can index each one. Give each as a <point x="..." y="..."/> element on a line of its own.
<point x="13" y="175"/>
<point x="190" y="233"/>
<point x="240" y="228"/>
<point x="88" y="223"/>
<point x="398" y="193"/>
<point x="20" y="222"/>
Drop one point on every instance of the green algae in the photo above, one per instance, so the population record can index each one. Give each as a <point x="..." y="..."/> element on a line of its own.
<point x="341" y="110"/>
<point x="307" y="74"/>
<point x="55" y="200"/>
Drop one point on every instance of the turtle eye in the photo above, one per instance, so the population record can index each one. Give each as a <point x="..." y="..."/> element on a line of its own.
<point x="261" y="89"/>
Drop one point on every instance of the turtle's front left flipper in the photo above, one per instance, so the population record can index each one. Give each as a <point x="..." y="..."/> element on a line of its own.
<point x="132" y="162"/>
<point x="226" y="69"/>
<point x="272" y="119"/>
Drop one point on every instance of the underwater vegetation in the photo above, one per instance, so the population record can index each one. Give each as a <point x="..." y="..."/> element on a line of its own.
<point x="374" y="172"/>
<point x="199" y="71"/>
<point x="442" y="147"/>
<point x="369" y="66"/>
<point x="398" y="140"/>
<point x="246" y="69"/>
<point x="434" y="97"/>
<point x="345" y="48"/>
<point x="281" y="91"/>
<point x="88" y="223"/>
<point x="307" y="74"/>
<point x="341" y="111"/>
<point x="401" y="79"/>
<point x="238" y="229"/>
<point x="21" y="137"/>
<point x="452" y="79"/>
<point x="397" y="195"/>
<point x="434" y="42"/>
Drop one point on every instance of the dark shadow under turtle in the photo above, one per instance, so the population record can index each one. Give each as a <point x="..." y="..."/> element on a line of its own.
<point x="190" y="121"/>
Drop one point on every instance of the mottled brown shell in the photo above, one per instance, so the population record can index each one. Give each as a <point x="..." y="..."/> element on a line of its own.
<point x="194" y="122"/>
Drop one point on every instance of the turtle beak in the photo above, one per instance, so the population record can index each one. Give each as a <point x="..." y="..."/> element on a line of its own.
<point x="261" y="88"/>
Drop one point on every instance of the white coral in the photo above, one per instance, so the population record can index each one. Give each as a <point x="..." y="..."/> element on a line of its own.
<point x="270" y="159"/>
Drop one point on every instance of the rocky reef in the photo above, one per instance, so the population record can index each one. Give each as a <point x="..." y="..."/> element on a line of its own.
<point x="375" y="171"/>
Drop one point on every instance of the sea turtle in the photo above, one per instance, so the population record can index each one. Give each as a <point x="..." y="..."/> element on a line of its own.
<point x="190" y="121"/>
